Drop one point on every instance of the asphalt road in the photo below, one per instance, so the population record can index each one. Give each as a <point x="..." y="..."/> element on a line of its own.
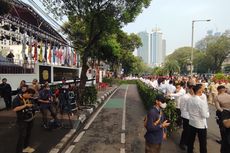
<point x="118" y="127"/>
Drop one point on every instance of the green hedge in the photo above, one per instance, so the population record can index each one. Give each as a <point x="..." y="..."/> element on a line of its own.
<point x="90" y="95"/>
<point x="117" y="81"/>
<point x="148" y="96"/>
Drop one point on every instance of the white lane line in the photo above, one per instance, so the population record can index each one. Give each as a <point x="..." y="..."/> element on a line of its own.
<point x="70" y="149"/>
<point x="122" y="150"/>
<point x="123" y="138"/>
<point x="93" y="118"/>
<point x="54" y="150"/>
<point x="78" y="138"/>
<point x="124" y="110"/>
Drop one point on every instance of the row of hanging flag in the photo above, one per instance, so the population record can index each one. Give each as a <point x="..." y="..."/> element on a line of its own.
<point x="50" y="53"/>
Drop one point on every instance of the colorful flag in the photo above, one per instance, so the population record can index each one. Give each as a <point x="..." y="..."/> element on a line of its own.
<point x="45" y="54"/>
<point x="35" y="51"/>
<point x="40" y="53"/>
<point x="74" y="57"/>
<point x="54" y="53"/>
<point x="60" y="54"/>
<point x="30" y="49"/>
<point x="50" y="54"/>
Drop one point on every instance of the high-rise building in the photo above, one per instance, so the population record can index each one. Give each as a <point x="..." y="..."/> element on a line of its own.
<point x="144" y="50"/>
<point x="153" y="51"/>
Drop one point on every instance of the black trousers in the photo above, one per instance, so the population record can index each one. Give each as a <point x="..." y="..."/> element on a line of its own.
<point x="225" y="144"/>
<point x="179" y="119"/>
<point x="220" y="123"/>
<point x="8" y="103"/>
<point x="185" y="132"/>
<point x="45" y="112"/>
<point x="202" y="136"/>
<point x="24" y="131"/>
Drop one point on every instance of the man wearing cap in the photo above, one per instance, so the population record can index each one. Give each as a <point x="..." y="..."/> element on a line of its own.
<point x="155" y="126"/>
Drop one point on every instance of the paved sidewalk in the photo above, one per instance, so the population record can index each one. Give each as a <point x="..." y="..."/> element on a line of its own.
<point x="44" y="140"/>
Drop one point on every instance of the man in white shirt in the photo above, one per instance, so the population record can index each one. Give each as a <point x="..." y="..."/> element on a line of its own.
<point x="185" y="116"/>
<point x="170" y="88"/>
<point x="163" y="86"/>
<point x="179" y="93"/>
<point x="198" y="114"/>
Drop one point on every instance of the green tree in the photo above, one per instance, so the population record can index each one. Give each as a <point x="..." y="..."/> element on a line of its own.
<point x="139" y="67"/>
<point x="160" y="71"/>
<point x="90" y="21"/>
<point x="130" y="63"/>
<point x="127" y="62"/>
<point x="217" y="52"/>
<point x="118" y="48"/>
<point x="201" y="63"/>
<point x="128" y="42"/>
<point x="203" y="43"/>
<point x="172" y="67"/>
<point x="109" y="51"/>
<point x="183" y="56"/>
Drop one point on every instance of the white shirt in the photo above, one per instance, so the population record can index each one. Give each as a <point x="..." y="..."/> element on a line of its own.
<point x="170" y="88"/>
<point x="177" y="96"/>
<point x="198" y="112"/>
<point x="162" y="87"/>
<point x="184" y="100"/>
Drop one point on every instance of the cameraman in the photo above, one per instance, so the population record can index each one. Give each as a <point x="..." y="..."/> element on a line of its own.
<point x="45" y="99"/>
<point x="25" y="116"/>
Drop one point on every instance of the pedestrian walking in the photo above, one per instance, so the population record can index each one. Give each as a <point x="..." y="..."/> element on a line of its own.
<point x="155" y="126"/>
<point x="198" y="114"/>
<point x="25" y="116"/>
<point x="5" y="91"/>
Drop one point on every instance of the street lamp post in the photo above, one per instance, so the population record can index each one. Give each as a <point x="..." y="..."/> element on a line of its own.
<point x="193" y="21"/>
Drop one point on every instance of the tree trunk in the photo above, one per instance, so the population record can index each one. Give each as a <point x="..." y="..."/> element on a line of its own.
<point x="83" y="78"/>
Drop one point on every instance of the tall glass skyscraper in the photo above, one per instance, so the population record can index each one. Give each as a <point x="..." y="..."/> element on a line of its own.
<point x="153" y="51"/>
<point x="144" y="50"/>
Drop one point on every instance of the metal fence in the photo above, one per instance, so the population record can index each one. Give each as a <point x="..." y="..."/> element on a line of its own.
<point x="10" y="66"/>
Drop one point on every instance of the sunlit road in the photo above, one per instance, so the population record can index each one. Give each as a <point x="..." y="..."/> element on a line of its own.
<point x="118" y="128"/>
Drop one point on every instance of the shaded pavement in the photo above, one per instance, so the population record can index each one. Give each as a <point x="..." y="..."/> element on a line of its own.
<point x="42" y="140"/>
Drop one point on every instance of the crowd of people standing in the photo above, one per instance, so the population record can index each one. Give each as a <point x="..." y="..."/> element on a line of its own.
<point x="30" y="99"/>
<point x="191" y="96"/>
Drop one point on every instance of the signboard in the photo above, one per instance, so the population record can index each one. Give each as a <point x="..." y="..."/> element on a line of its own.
<point x="44" y="74"/>
<point x="69" y="74"/>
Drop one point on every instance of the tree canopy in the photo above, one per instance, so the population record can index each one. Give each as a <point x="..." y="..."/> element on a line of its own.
<point x="89" y="21"/>
<point x="209" y="55"/>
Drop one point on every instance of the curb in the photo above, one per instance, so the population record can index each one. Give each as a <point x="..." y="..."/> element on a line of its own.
<point x="80" y="122"/>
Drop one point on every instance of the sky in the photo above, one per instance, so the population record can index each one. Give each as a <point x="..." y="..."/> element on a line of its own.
<point x="174" y="18"/>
